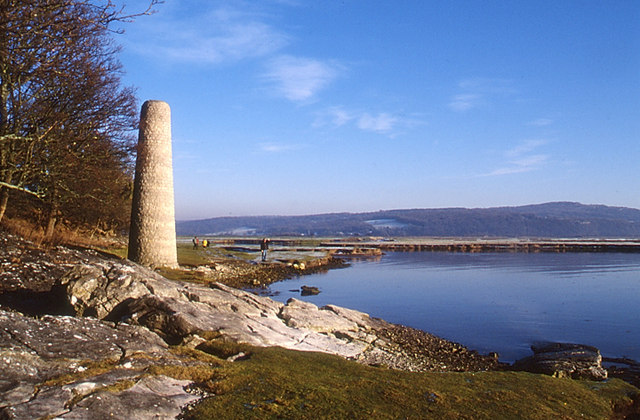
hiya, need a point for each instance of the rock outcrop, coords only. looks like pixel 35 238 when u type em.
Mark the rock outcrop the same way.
pixel 562 360
pixel 98 357
pixel 121 291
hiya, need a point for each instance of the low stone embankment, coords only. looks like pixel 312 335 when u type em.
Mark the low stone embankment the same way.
pixel 491 245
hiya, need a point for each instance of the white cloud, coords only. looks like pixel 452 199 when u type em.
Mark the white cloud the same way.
pixel 300 79
pixel 478 91
pixel 527 164
pixel 525 147
pixel 339 116
pixel 487 85
pixel 464 102
pixel 277 147
pixel 530 162
pixel 216 37
pixel 381 123
pixel 541 122
pixel 335 116
pixel 520 158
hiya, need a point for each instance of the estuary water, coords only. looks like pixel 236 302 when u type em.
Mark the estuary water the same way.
pixel 501 302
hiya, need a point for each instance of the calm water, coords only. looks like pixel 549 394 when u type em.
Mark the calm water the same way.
pixel 494 301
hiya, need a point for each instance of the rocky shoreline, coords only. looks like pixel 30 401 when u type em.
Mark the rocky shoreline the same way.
pixel 245 274
pixel 86 331
pixel 83 330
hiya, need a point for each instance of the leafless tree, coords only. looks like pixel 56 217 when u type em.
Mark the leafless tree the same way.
pixel 65 119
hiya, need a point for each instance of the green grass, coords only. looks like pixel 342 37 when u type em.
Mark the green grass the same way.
pixel 187 255
pixel 278 383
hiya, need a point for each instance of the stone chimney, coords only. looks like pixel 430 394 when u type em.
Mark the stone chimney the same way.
pixel 152 237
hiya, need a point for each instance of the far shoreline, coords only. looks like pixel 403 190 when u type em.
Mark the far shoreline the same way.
pixel 445 244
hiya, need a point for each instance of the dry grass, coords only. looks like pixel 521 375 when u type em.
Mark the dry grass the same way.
pixel 63 235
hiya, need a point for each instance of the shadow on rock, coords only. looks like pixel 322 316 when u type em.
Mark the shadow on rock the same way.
pixel 53 302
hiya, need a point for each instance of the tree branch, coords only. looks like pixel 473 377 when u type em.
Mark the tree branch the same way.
pixel 23 189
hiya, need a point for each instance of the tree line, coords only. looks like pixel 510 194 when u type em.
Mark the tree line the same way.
pixel 67 125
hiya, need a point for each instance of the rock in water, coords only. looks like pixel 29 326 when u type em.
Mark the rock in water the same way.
pixel 309 290
pixel 576 361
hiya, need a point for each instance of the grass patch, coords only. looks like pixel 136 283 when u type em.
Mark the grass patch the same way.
pixel 279 383
pixel 187 255
pixel 201 356
pixel 117 251
pixel 223 349
pixel 91 368
pixel 197 374
pixel 190 256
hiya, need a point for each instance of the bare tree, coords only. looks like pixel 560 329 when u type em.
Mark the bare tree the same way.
pixel 63 112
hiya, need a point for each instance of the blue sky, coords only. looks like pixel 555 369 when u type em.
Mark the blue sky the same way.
pixel 300 107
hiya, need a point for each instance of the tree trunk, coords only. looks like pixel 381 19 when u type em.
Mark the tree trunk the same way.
pixel 4 200
pixel 52 218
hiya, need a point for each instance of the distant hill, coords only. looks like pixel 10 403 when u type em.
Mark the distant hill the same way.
pixel 549 220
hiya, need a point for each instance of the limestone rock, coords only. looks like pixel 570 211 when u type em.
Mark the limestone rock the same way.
pixel 299 314
pixel 57 400
pixel 576 361
pixel 177 310
pixel 259 324
pixel 152 397
pixel 98 288
pixel 35 350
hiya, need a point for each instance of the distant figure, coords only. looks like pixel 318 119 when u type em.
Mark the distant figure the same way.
pixel 264 246
pixel 195 242
pixel 205 243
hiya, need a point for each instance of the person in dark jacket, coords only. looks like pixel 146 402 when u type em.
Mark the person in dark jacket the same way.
pixel 264 246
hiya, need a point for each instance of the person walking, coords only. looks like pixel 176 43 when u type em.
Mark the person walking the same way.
pixel 195 242
pixel 264 246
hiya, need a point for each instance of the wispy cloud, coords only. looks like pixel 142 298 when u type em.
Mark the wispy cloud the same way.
pixel 541 122
pixel 338 116
pixel 300 79
pixel 277 147
pixel 522 159
pixel 381 123
pixel 464 102
pixel 525 147
pixel 488 85
pixel 478 91
pixel 219 36
pixel 527 164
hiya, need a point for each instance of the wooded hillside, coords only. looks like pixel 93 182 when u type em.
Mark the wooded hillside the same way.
pixel 550 220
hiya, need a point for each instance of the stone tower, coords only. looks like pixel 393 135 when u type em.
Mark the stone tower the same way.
pixel 152 237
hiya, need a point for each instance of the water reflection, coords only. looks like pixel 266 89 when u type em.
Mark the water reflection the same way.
pixel 494 301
